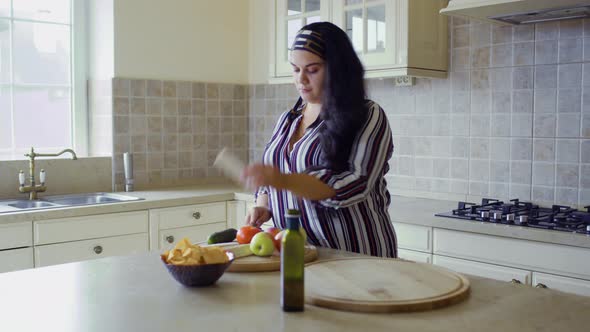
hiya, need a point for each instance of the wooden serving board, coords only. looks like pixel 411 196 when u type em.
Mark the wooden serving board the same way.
pixel 255 263
pixel 272 263
pixel 371 284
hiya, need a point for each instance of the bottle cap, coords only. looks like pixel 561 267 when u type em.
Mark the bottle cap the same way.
pixel 292 218
pixel 293 223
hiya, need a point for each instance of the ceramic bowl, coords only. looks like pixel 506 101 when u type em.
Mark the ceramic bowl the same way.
pixel 198 275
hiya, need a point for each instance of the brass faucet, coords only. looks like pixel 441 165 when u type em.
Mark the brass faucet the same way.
pixel 32 189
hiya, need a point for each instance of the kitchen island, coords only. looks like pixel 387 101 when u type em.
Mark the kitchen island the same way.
pixel 136 293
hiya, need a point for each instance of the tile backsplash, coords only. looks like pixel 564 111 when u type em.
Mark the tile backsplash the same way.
pixel 511 120
pixel 175 129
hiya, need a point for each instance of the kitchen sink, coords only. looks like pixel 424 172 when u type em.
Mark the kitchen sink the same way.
pixel 30 204
pixel 89 199
pixel 60 201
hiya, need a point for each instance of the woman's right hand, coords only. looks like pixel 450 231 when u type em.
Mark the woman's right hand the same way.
pixel 257 216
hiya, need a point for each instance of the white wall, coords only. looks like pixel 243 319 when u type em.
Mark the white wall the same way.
pixel 259 40
pixel 100 39
pixel 198 40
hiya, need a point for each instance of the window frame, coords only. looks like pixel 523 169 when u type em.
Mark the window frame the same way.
pixel 78 80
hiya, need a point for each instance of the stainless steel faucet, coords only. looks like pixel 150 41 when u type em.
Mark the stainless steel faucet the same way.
pixel 32 189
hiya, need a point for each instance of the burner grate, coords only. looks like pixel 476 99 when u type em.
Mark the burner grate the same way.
pixel 558 217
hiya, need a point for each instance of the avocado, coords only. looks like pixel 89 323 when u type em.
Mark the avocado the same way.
pixel 227 235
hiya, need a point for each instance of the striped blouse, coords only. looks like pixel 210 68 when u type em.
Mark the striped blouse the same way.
pixel 356 218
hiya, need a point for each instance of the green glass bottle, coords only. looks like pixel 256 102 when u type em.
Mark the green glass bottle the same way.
pixel 292 251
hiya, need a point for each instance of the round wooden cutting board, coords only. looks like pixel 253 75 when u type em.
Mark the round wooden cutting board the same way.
pixel 272 263
pixel 382 285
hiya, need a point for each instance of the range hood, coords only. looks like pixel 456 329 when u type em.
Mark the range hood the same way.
pixel 518 11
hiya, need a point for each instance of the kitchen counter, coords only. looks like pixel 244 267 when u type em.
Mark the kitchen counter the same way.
pixel 411 210
pixel 136 293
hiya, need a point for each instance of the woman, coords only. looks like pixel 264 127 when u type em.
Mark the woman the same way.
pixel 328 155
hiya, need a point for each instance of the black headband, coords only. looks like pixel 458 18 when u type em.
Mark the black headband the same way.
pixel 310 41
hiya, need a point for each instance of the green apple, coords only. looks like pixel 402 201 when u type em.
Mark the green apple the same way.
pixel 262 244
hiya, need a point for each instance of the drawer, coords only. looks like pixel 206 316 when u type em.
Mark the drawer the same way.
pixel 528 255
pixel 183 216
pixel 415 256
pixel 90 227
pixel 169 237
pixel 16 235
pixel 484 270
pixel 52 254
pixel 16 259
pixel 564 284
pixel 413 237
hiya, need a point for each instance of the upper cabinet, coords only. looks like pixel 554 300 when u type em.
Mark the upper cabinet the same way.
pixel 392 37
pixel 290 17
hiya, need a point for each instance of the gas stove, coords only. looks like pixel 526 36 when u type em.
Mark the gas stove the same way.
pixel 526 214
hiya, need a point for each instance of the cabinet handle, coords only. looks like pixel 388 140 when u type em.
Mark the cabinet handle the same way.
pixel 197 215
pixel 98 250
pixel 169 238
pixel 540 285
pixel 515 281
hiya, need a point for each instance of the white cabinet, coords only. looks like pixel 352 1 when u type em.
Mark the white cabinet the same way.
pixel 76 251
pixel 523 254
pixel 89 227
pixel 196 222
pixel 413 237
pixel 485 270
pixel 15 235
pixel 415 256
pixel 564 284
pixel 74 239
pixel 16 259
pixel 16 240
pixel 392 37
pixel 555 266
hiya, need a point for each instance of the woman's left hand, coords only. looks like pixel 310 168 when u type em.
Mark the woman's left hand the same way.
pixel 257 175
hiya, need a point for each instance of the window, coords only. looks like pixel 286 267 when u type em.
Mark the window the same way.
pixel 42 77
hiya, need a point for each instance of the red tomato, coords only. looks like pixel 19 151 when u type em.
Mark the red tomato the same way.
pixel 273 231
pixel 245 234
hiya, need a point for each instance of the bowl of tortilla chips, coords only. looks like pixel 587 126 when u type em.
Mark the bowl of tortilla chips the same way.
pixel 193 265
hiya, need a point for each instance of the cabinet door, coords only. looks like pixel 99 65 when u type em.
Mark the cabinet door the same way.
pixel 564 284
pixel 524 254
pixel 168 238
pixel 413 237
pixel 236 213
pixel 290 17
pixel 491 271
pixel 60 253
pixel 372 27
pixel 16 259
pixel 415 256
pixel 15 235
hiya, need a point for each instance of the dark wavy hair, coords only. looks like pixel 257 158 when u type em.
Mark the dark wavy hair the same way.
pixel 344 109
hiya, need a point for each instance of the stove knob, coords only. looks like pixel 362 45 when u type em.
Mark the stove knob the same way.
pixel 523 220
pixel 510 217
pixel 485 215
pixel 498 215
